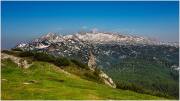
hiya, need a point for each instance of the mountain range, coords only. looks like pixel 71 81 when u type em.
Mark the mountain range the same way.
pixel 107 47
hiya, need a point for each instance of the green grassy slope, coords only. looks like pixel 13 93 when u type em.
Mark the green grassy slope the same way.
pixel 46 81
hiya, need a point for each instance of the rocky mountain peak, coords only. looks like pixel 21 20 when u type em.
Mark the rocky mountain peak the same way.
pixel 49 35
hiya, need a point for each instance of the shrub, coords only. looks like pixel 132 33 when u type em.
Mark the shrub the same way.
pixel 44 57
pixel 130 86
pixel 78 63
pixel 140 89
pixel 16 49
pixel 11 52
pixel 61 61
pixel 40 56
pixel 97 71
pixel 7 52
pixel 26 54
pixel 91 76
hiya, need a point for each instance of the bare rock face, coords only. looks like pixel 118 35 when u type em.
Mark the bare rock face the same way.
pixel 107 80
pixel 92 65
pixel 91 61
pixel 19 61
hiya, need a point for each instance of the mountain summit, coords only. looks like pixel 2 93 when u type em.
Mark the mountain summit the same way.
pixel 98 37
pixel 94 38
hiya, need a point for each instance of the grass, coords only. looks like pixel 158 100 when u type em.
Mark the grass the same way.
pixel 53 83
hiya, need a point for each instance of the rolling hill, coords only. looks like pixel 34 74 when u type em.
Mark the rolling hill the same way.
pixel 43 80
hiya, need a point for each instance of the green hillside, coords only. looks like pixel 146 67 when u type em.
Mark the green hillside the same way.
pixel 150 77
pixel 43 80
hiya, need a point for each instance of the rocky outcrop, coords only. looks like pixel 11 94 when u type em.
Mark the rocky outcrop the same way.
pixel 91 61
pixel 105 78
pixel 19 61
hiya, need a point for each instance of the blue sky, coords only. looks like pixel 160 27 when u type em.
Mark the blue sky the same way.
pixel 27 20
